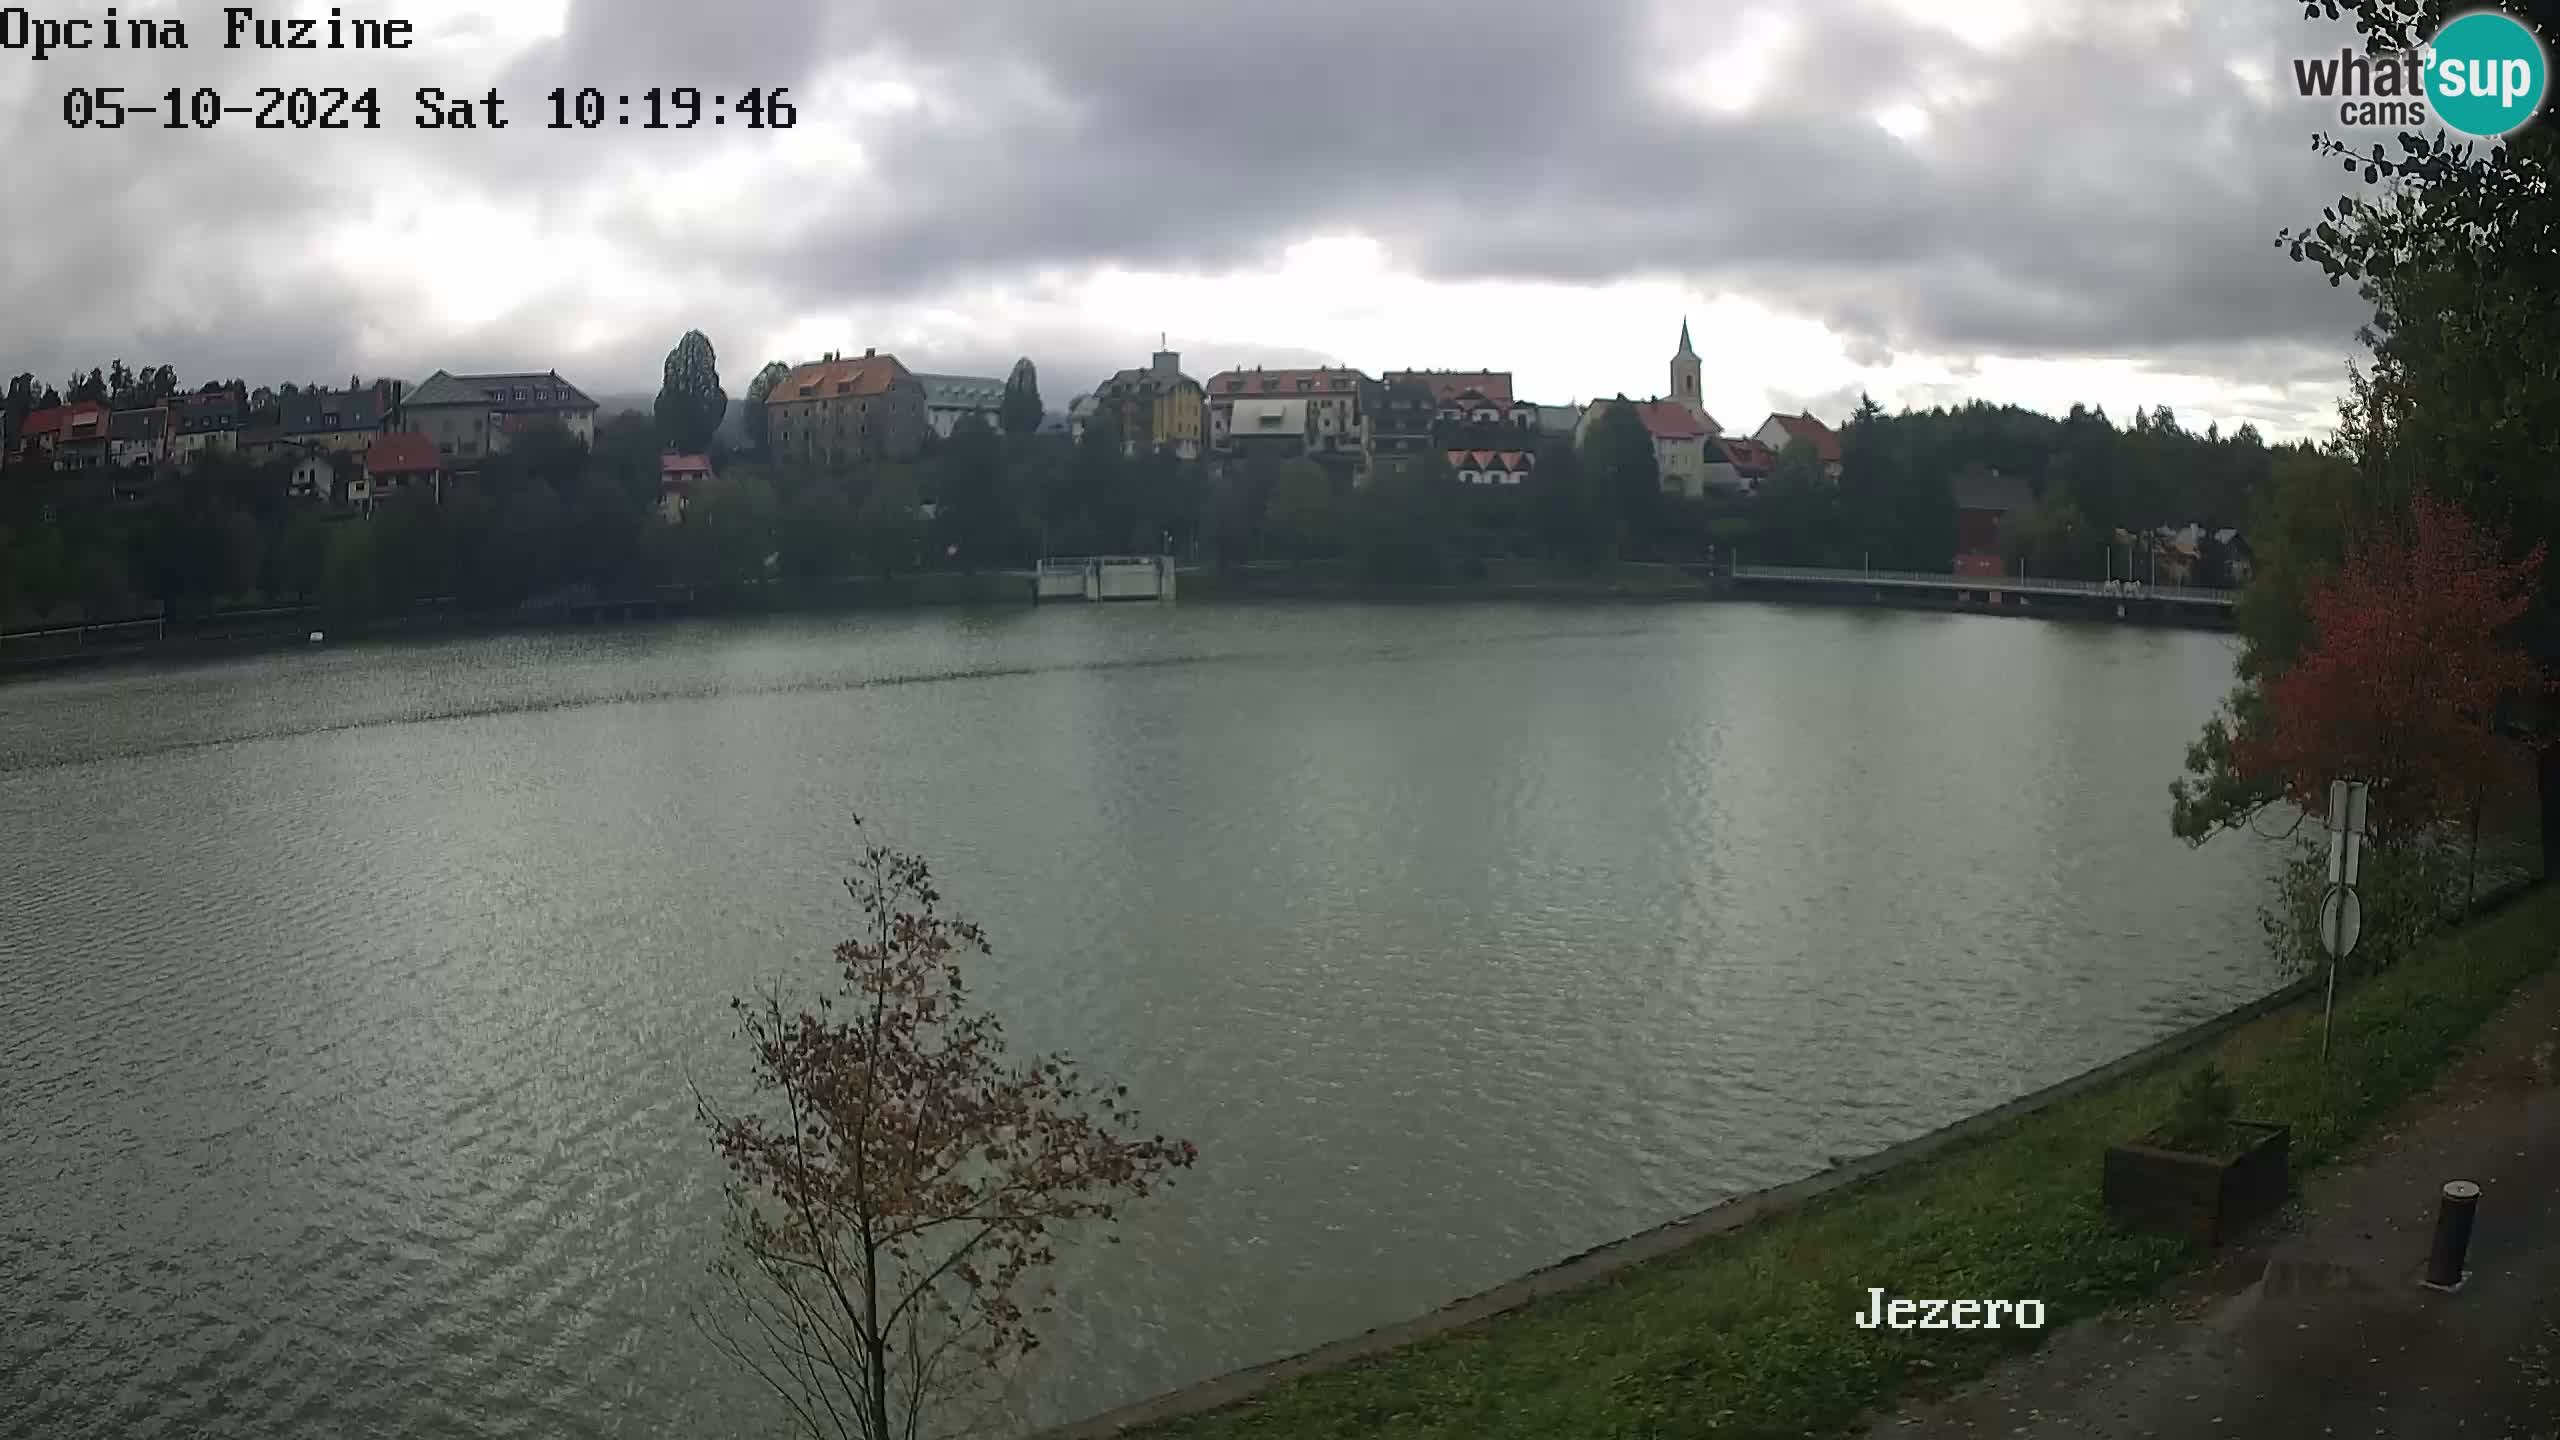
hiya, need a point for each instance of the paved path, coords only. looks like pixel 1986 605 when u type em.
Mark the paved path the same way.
pixel 2320 1327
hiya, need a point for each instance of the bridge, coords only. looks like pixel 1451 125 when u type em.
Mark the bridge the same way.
pixel 2127 597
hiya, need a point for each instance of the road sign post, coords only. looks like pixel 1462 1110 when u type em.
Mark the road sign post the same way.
pixel 2341 911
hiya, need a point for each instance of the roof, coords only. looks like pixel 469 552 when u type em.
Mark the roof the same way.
pixel 401 452
pixel 1826 442
pixel 687 466
pixel 1269 416
pixel 1744 454
pixel 1496 384
pixel 1981 489
pixel 1323 379
pixel 197 414
pixel 962 392
pixel 1669 420
pixel 546 391
pixel 43 422
pixel 858 376
pixel 309 412
pixel 140 424
pixel 1559 419
pixel 1487 459
pixel 1685 353
pixel 84 420
pixel 1142 380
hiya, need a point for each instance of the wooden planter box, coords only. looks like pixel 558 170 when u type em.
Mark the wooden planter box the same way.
pixel 2197 1197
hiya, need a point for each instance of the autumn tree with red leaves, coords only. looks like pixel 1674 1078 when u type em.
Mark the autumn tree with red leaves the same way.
pixel 897 1191
pixel 2412 652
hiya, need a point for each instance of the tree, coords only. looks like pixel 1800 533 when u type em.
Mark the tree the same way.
pixel 350 586
pixel 900 1184
pixel 974 510
pixel 1622 465
pixel 1570 514
pixel 306 555
pixel 244 555
pixel 818 533
pixel 759 393
pixel 1402 523
pixel 2412 654
pixel 1021 412
pixel 1799 511
pixel 890 528
pixel 2451 243
pixel 690 400
pixel 1300 520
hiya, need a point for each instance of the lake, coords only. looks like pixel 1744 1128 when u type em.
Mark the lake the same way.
pixel 351 999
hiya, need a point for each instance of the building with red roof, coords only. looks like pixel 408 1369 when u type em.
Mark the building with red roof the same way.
pixel 400 462
pixel 680 479
pixel 1779 431
pixel 1491 467
pixel 1335 421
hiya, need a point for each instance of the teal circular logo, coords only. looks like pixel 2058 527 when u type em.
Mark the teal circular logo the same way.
pixel 2486 74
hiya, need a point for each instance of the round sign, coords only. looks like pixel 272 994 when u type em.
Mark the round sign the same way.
pixel 2461 1190
pixel 2341 922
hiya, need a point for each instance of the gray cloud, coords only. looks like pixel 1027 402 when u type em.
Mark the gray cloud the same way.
pixel 2109 195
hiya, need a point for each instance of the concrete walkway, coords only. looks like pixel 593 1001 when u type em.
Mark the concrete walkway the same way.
pixel 2319 1326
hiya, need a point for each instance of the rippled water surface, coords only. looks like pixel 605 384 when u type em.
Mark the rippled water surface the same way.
pixel 350 999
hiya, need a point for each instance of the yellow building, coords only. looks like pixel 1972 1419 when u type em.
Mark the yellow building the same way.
pixel 1158 408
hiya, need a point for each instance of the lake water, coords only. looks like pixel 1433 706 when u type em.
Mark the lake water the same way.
pixel 349 999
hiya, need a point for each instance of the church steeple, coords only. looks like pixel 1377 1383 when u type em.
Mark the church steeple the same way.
pixel 1684 375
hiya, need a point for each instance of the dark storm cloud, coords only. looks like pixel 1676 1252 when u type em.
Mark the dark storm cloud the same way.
pixel 2097 193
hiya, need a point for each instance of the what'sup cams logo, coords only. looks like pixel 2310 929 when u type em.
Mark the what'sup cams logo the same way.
pixel 2484 74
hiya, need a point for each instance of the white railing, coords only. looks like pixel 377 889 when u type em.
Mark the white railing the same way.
pixel 2006 584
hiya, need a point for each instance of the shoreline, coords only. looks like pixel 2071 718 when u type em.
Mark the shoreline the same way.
pixel 1587 1277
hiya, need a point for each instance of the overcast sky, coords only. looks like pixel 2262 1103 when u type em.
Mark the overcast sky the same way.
pixel 2037 201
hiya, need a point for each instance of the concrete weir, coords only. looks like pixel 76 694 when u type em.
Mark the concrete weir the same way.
pixel 1105 577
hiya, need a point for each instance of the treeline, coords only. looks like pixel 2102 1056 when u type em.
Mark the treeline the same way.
pixel 1894 505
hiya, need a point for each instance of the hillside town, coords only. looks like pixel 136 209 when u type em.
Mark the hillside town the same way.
pixel 132 495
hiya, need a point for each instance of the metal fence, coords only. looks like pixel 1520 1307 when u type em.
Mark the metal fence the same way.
pixel 2006 584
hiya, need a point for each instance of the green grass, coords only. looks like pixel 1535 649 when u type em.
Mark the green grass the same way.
pixel 1750 1333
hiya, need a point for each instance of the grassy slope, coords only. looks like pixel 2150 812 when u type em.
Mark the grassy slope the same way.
pixel 1749 1334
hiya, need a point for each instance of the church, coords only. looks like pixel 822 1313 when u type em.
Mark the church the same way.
pixel 1684 434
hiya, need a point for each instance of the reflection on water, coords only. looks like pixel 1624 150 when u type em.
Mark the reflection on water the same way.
pixel 349 999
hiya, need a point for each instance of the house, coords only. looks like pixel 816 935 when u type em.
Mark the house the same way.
pixel 202 423
pixel 1779 431
pixel 1990 507
pixel 680 478
pixel 1400 417
pixel 315 478
pixel 139 437
pixel 1737 465
pixel 841 411
pixel 84 438
pixel 261 443
pixel 399 462
pixel 2239 562
pixel 344 421
pixel 470 417
pixel 1335 423
pixel 1491 467
pixel 1679 440
pixel 947 398
pixel 1157 408
pixel 1272 426
pixel 37 434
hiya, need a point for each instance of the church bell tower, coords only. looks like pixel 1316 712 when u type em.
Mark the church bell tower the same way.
pixel 1684 376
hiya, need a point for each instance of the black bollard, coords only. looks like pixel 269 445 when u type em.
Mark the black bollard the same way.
pixel 2453 1233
